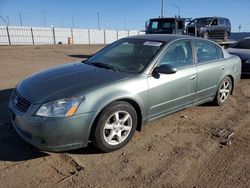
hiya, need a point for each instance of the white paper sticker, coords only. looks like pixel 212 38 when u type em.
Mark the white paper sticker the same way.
pixel 152 43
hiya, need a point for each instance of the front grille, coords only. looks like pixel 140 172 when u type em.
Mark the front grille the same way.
pixel 21 103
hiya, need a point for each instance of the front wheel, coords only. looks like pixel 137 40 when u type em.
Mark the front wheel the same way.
pixel 115 126
pixel 223 91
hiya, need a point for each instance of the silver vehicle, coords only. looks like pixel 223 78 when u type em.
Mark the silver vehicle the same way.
pixel 110 95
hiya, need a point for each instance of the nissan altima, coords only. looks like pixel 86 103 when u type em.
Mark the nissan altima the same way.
pixel 109 96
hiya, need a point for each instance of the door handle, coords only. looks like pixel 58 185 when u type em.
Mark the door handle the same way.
pixel 222 68
pixel 192 77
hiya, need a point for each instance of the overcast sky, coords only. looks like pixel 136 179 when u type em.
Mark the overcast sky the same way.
pixel 117 14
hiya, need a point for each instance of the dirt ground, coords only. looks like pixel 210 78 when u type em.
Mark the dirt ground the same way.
pixel 190 148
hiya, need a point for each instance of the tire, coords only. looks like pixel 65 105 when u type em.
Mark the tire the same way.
pixel 115 126
pixel 226 36
pixel 205 35
pixel 223 91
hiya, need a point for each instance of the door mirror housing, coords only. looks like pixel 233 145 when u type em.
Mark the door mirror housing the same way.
pixel 165 69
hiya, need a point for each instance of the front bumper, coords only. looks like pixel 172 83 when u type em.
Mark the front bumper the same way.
pixel 52 134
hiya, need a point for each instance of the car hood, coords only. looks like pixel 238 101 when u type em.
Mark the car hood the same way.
pixel 244 54
pixel 66 81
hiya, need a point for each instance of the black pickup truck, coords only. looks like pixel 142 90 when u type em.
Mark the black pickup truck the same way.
pixel 168 25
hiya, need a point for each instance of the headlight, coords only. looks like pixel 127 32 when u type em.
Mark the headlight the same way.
pixel 60 108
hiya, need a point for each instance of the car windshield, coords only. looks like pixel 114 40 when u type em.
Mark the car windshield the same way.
pixel 244 44
pixel 126 55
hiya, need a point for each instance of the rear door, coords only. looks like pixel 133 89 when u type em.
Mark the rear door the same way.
pixel 210 68
pixel 214 29
pixel 222 26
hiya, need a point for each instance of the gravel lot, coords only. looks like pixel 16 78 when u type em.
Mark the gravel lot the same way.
pixel 186 149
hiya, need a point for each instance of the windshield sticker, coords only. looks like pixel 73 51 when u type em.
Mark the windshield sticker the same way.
pixel 150 43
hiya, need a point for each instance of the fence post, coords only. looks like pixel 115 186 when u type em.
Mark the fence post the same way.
pixel 32 36
pixel 89 35
pixel 104 36
pixel 117 36
pixel 54 36
pixel 72 36
pixel 8 34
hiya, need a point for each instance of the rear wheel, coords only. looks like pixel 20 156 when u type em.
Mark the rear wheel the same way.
pixel 223 91
pixel 115 126
pixel 226 36
pixel 205 35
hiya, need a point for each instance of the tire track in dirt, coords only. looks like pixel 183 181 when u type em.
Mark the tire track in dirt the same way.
pixel 214 173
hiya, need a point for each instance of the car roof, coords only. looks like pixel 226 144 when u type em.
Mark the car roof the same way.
pixel 169 18
pixel 161 37
pixel 210 17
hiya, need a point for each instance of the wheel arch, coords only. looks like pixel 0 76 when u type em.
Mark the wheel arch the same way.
pixel 132 102
pixel 232 79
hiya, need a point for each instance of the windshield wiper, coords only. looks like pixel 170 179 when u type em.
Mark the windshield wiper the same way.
pixel 102 65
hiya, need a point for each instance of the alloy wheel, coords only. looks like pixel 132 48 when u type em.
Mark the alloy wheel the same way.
pixel 117 127
pixel 224 91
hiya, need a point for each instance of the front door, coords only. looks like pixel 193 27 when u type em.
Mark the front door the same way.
pixel 171 92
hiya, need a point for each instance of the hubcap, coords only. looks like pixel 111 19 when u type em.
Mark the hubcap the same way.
pixel 117 127
pixel 224 91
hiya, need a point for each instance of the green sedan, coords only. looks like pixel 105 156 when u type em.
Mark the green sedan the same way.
pixel 109 96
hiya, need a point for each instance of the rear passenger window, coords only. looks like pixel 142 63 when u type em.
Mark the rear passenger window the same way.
pixel 219 52
pixel 207 51
pixel 222 21
pixel 227 22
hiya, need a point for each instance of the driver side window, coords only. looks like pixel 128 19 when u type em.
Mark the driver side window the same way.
pixel 178 54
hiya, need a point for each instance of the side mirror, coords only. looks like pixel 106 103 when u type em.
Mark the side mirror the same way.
pixel 165 69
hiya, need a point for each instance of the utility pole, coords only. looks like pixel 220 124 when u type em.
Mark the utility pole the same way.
pixel 125 23
pixel 8 20
pixel 72 20
pixel 179 10
pixel 61 21
pixel 162 8
pixel 3 19
pixel 98 20
pixel 44 19
pixel 20 18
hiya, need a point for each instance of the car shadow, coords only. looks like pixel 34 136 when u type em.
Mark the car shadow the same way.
pixel 245 76
pixel 81 56
pixel 12 147
pixel 91 149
